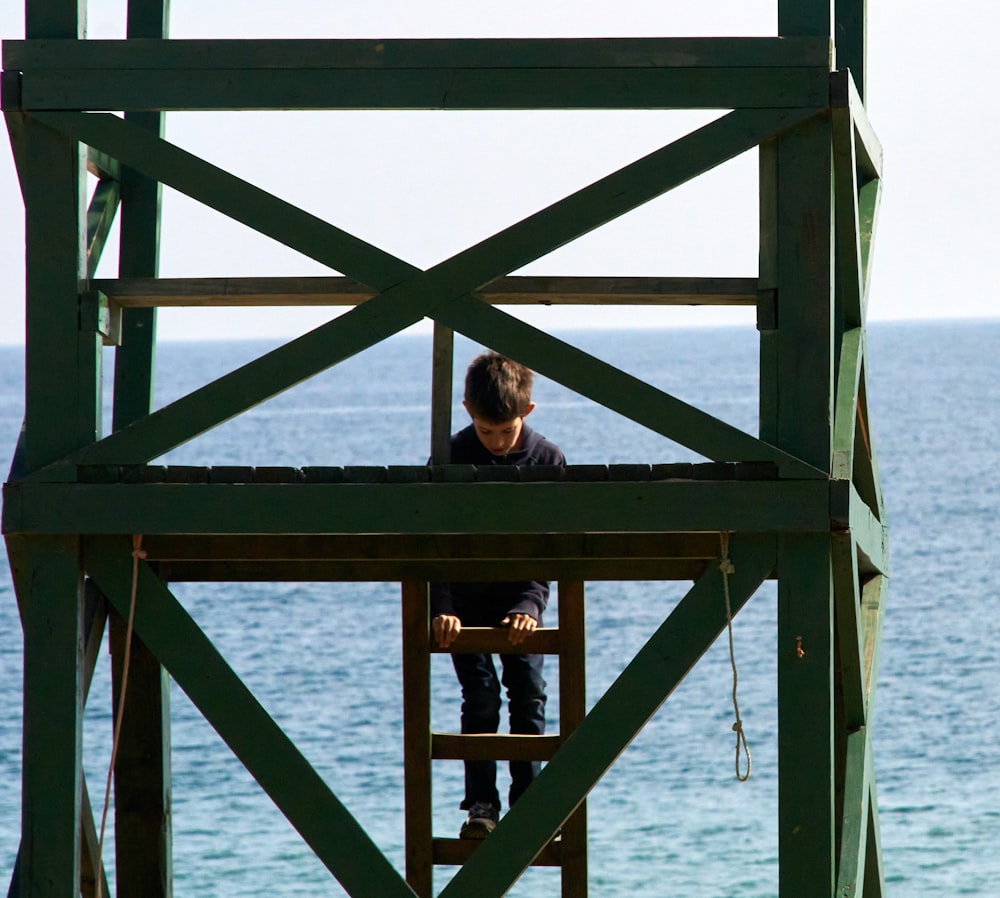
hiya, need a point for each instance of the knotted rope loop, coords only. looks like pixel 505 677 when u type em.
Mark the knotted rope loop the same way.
pixel 727 567
pixel 138 553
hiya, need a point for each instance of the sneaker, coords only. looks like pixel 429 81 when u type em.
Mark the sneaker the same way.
pixel 482 821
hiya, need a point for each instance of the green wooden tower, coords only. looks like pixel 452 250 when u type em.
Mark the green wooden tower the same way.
pixel 799 503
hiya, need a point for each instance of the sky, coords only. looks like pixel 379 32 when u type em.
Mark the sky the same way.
pixel 424 185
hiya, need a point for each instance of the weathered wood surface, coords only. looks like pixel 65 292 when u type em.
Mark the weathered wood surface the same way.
pixel 515 290
pixel 627 507
pixel 659 73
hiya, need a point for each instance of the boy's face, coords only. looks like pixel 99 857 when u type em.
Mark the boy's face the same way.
pixel 503 436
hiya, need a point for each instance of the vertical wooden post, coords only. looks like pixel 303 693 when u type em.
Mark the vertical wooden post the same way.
pixel 49 589
pixel 143 837
pixel 767 290
pixel 805 331
pixel 852 40
pixel 802 421
pixel 801 18
pixel 417 737
pixel 441 377
pixel 805 717
pixel 572 710
pixel 142 770
pixel 61 400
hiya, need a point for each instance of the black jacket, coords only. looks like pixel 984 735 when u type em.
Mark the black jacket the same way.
pixel 471 601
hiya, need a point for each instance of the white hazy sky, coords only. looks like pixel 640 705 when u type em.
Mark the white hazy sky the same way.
pixel 424 185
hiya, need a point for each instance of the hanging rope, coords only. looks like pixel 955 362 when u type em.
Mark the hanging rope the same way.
pixel 727 568
pixel 137 553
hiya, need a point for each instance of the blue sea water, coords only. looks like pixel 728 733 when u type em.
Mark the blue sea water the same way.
pixel 670 817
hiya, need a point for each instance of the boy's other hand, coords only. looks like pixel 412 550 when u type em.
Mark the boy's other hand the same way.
pixel 520 625
pixel 446 629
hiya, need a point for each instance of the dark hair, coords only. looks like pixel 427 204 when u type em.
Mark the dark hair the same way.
pixel 497 389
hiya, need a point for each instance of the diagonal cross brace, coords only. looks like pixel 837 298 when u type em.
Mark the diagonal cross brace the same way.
pixel 270 756
pixel 240 200
pixel 613 723
pixel 437 292
pixel 614 389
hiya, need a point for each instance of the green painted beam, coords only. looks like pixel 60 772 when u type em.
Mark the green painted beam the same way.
pixel 614 389
pixel 873 602
pixel 655 73
pixel 95 616
pixel 60 21
pixel 160 160
pixel 667 506
pixel 447 283
pixel 61 400
pixel 176 640
pixel 846 403
pixel 442 377
pixel 805 327
pixel 865 475
pixel 805 717
pixel 49 590
pixel 143 803
pixel 417 54
pixel 799 18
pixel 849 511
pixel 101 165
pixel 850 638
pixel 874 868
pixel 844 91
pixel 446 88
pixel 870 533
pixel 100 215
pixel 545 290
pixel 767 290
pixel 142 807
pixel 851 865
pixel 613 722
pixel 868 206
pixel 849 277
pixel 851 35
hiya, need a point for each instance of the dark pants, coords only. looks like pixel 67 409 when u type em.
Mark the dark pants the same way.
pixel 522 678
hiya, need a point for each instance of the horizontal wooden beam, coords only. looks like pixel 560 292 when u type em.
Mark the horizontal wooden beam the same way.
pixel 495 640
pixel 660 73
pixel 350 557
pixel 455 852
pixel 424 89
pixel 493 747
pixel 470 547
pixel 409 54
pixel 627 507
pixel 392 570
pixel 342 291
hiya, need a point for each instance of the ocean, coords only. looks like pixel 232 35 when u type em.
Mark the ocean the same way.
pixel 670 816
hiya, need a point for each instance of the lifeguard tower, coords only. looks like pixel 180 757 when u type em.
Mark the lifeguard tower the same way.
pixel 799 501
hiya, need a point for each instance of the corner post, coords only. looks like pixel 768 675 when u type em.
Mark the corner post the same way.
pixel 143 831
pixel 49 588
pixel 806 793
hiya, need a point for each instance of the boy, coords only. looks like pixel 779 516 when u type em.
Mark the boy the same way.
pixel 498 399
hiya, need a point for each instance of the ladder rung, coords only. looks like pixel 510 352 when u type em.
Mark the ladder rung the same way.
pixel 493 747
pixel 457 851
pixel 493 640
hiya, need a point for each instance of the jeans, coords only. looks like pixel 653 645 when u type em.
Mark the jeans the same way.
pixel 525 686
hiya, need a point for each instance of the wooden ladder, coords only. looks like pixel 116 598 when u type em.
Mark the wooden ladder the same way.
pixel 421 745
